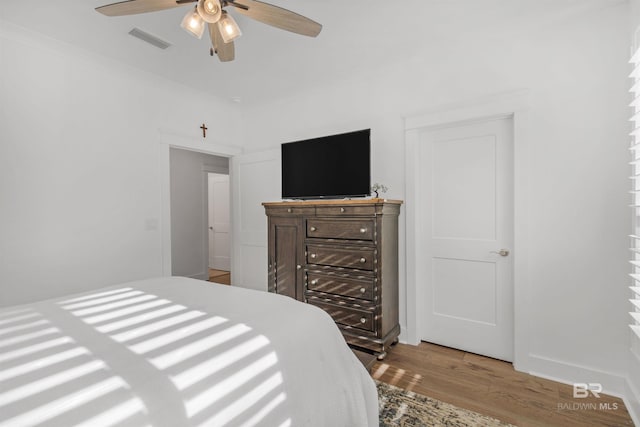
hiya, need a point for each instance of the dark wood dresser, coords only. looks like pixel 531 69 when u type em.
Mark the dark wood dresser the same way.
pixel 341 256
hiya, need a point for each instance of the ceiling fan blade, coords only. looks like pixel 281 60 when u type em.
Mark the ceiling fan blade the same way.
pixel 133 7
pixel 277 17
pixel 226 51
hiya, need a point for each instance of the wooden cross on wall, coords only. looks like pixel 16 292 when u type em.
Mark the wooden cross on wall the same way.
pixel 204 130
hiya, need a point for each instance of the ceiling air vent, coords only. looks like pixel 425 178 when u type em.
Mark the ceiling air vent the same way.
pixel 153 40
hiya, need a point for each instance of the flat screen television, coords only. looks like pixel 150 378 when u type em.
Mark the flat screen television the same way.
pixel 332 167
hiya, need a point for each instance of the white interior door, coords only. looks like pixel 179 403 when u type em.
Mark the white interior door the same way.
pixel 219 222
pixel 467 183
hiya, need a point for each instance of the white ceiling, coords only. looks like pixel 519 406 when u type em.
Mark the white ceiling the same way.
pixel 357 35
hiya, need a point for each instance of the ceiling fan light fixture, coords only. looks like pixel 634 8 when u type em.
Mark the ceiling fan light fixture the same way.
pixel 222 28
pixel 228 28
pixel 209 10
pixel 193 23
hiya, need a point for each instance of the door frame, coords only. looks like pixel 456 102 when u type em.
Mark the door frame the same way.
pixel 515 106
pixel 168 139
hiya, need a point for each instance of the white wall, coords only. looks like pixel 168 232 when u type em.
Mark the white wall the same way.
pixel 575 70
pixel 79 165
pixel 189 236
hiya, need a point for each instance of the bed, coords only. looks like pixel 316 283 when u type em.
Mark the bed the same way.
pixel 178 352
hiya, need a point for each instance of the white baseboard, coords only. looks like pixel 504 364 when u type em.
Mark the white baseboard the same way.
pixel 632 390
pixel 566 373
pixel 200 276
pixel 221 263
pixel 632 402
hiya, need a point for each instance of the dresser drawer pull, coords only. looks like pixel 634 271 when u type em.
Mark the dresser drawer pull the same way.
pixel 363 260
pixel 313 229
pixel 298 267
pixel 314 282
pixel 363 230
pixel 314 255
pixel 363 290
pixel 289 210
pixel 342 210
pixel 363 320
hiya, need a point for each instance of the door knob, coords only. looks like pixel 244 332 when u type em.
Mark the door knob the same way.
pixel 501 252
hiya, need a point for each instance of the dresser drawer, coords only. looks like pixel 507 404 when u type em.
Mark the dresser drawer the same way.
pixel 289 210
pixel 345 210
pixel 347 316
pixel 356 229
pixel 344 286
pixel 360 258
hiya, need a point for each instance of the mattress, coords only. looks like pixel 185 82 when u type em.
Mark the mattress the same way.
pixel 178 352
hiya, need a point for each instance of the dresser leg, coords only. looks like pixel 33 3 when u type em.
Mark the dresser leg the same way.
pixel 395 341
pixel 382 355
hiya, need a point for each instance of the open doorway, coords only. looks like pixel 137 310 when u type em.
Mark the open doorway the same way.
pixel 189 197
pixel 219 226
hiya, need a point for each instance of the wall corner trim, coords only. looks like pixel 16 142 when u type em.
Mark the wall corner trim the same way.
pixel 632 387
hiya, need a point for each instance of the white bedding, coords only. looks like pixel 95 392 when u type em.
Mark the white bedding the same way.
pixel 178 352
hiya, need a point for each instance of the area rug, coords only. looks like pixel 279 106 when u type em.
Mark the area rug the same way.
pixel 407 409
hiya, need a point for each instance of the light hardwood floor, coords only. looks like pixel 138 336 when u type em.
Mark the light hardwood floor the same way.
pixel 219 276
pixel 494 388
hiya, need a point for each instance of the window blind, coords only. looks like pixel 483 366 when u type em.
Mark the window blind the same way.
pixel 635 193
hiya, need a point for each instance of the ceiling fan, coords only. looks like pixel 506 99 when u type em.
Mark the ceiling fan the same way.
pixel 223 29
